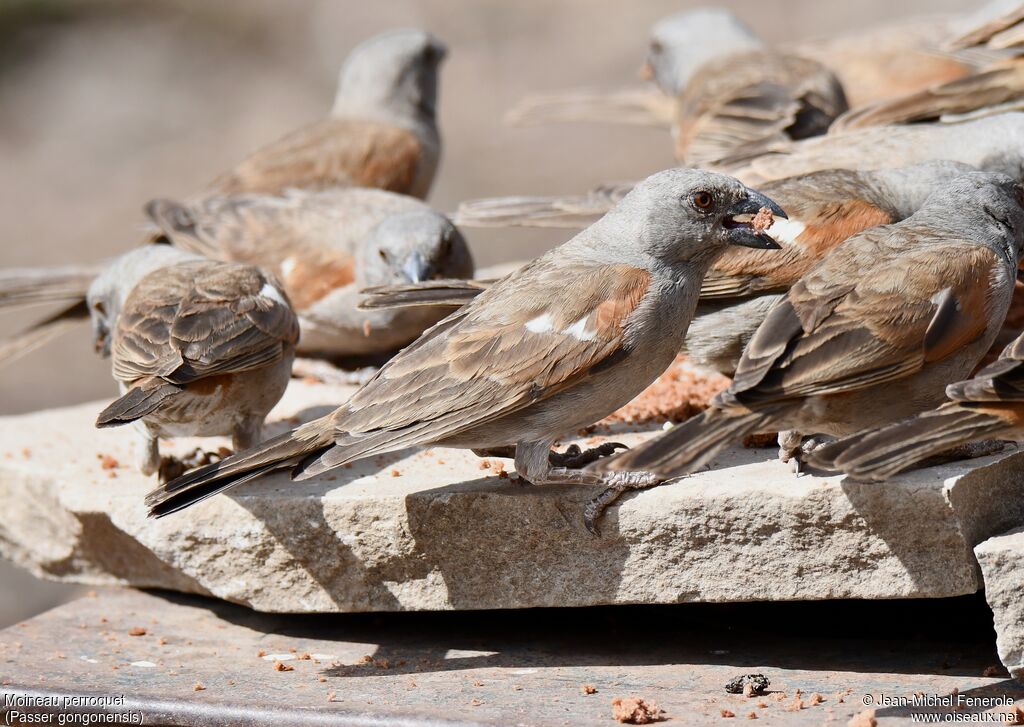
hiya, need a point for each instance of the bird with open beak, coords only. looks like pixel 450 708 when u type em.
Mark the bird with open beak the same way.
pixel 556 346
pixel 873 333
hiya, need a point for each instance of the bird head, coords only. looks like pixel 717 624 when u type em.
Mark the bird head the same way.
pixel 681 43
pixel 412 247
pixel 394 73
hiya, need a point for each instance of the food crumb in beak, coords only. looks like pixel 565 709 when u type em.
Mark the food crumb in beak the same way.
pixel 762 220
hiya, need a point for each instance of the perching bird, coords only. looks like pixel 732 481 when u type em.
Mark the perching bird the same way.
pixel 731 93
pixel 382 131
pixel 872 334
pixel 988 406
pixel 824 209
pixel 991 143
pixel 199 347
pixel 324 247
pixel 557 345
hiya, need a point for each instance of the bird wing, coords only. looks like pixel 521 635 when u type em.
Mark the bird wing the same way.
pixel 1002 380
pixel 488 359
pixel 752 101
pixel 199 319
pixel 840 329
pixel 329 153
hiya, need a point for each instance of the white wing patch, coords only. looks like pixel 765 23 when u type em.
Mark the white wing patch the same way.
pixel 287 265
pixel 579 330
pixel 269 291
pixel 540 324
pixel 786 231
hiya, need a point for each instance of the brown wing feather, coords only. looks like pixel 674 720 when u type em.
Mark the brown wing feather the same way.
pixel 329 153
pixel 200 319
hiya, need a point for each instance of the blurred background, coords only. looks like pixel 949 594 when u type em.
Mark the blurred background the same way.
pixel 105 104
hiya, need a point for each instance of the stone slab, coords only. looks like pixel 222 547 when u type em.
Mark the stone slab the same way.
pixel 431 530
pixel 1002 564
pixel 206 663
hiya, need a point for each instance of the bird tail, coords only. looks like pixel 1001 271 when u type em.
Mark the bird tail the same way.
pixel 175 223
pixel 143 398
pixel 878 454
pixel 31 286
pixel 635 106
pixel 42 332
pixel 567 212
pixel 688 446
pixel 192 487
pixel 450 293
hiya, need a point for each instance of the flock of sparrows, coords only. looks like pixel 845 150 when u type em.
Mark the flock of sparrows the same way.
pixel 850 296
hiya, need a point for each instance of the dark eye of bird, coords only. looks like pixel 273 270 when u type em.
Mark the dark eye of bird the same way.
pixel 702 200
pixel 383 255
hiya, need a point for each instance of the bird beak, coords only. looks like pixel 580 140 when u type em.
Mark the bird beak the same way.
pixel 415 269
pixel 646 72
pixel 739 222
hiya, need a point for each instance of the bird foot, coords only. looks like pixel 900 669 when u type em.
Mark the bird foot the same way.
pixel 172 467
pixel 616 484
pixel 575 458
pixel 970 450
pixel 795 452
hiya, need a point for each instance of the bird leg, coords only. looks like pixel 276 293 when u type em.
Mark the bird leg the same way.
pixel 247 433
pixel 147 449
pixel 533 465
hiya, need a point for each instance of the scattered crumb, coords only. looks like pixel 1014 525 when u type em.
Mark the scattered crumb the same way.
pixel 498 468
pixel 816 699
pixel 992 671
pixel 261 653
pixel 762 220
pixel 161 641
pixel 321 679
pixel 751 715
pixel 440 461
pixel 779 696
pixel 305 656
pixel 761 704
pixel 137 631
pixel 381 663
pixel 796 705
pixel 330 696
pixel 109 463
pixel 748 684
pixel 727 713
pixel 517 688
pixel 26 453
pixel 633 710
pixel 281 666
pixel 588 689
pixel 478 683
pixel 475 702
pixel 396 473
pixel 1016 715
pixel 676 395
pixel 484 464
pixel 364 659
pixel 864 719
pixel 197 687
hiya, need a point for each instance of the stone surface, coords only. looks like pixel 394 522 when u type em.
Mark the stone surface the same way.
pixel 428 530
pixel 1002 564
pixel 516 668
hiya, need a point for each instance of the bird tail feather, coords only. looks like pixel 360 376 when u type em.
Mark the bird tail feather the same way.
pixel 142 399
pixel 634 106
pixel 42 332
pixel 443 293
pixel 31 286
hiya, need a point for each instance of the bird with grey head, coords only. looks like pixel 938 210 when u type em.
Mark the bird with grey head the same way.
pixel 553 347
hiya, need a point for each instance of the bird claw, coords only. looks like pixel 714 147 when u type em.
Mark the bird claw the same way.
pixel 617 483
pixel 575 458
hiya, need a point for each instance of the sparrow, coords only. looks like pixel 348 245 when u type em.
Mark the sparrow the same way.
pixel 873 333
pixel 988 406
pixel 555 346
pixel 382 131
pixel 729 91
pixel 824 209
pixel 324 247
pixel 990 143
pixel 198 347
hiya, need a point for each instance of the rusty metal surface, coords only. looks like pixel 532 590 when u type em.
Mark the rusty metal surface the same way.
pixel 202 662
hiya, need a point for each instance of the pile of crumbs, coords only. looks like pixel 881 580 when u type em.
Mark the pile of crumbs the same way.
pixel 633 710
pixel 676 395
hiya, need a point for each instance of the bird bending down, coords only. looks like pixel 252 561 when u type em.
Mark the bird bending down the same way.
pixel 988 406
pixel 558 345
pixel 871 334
pixel 199 347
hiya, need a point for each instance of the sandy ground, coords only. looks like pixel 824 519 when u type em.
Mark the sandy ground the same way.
pixel 107 106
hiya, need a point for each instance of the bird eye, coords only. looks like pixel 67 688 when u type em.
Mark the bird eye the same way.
pixel 101 310
pixel 383 255
pixel 702 200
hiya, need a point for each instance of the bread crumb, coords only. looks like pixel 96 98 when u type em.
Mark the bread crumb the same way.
pixel 751 715
pixel 136 631
pixel 762 220
pixel 280 666
pixel 796 705
pixel 161 641
pixel 109 463
pixel 484 464
pixel 588 689
pixel 633 710
pixel 330 696
pixel 26 453
pixel 864 719
pixel 198 687
pixel 321 679
pixel 679 393
pixel 474 702
pixel 396 473
pixel 261 653
pixel 816 699
pixel 727 713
